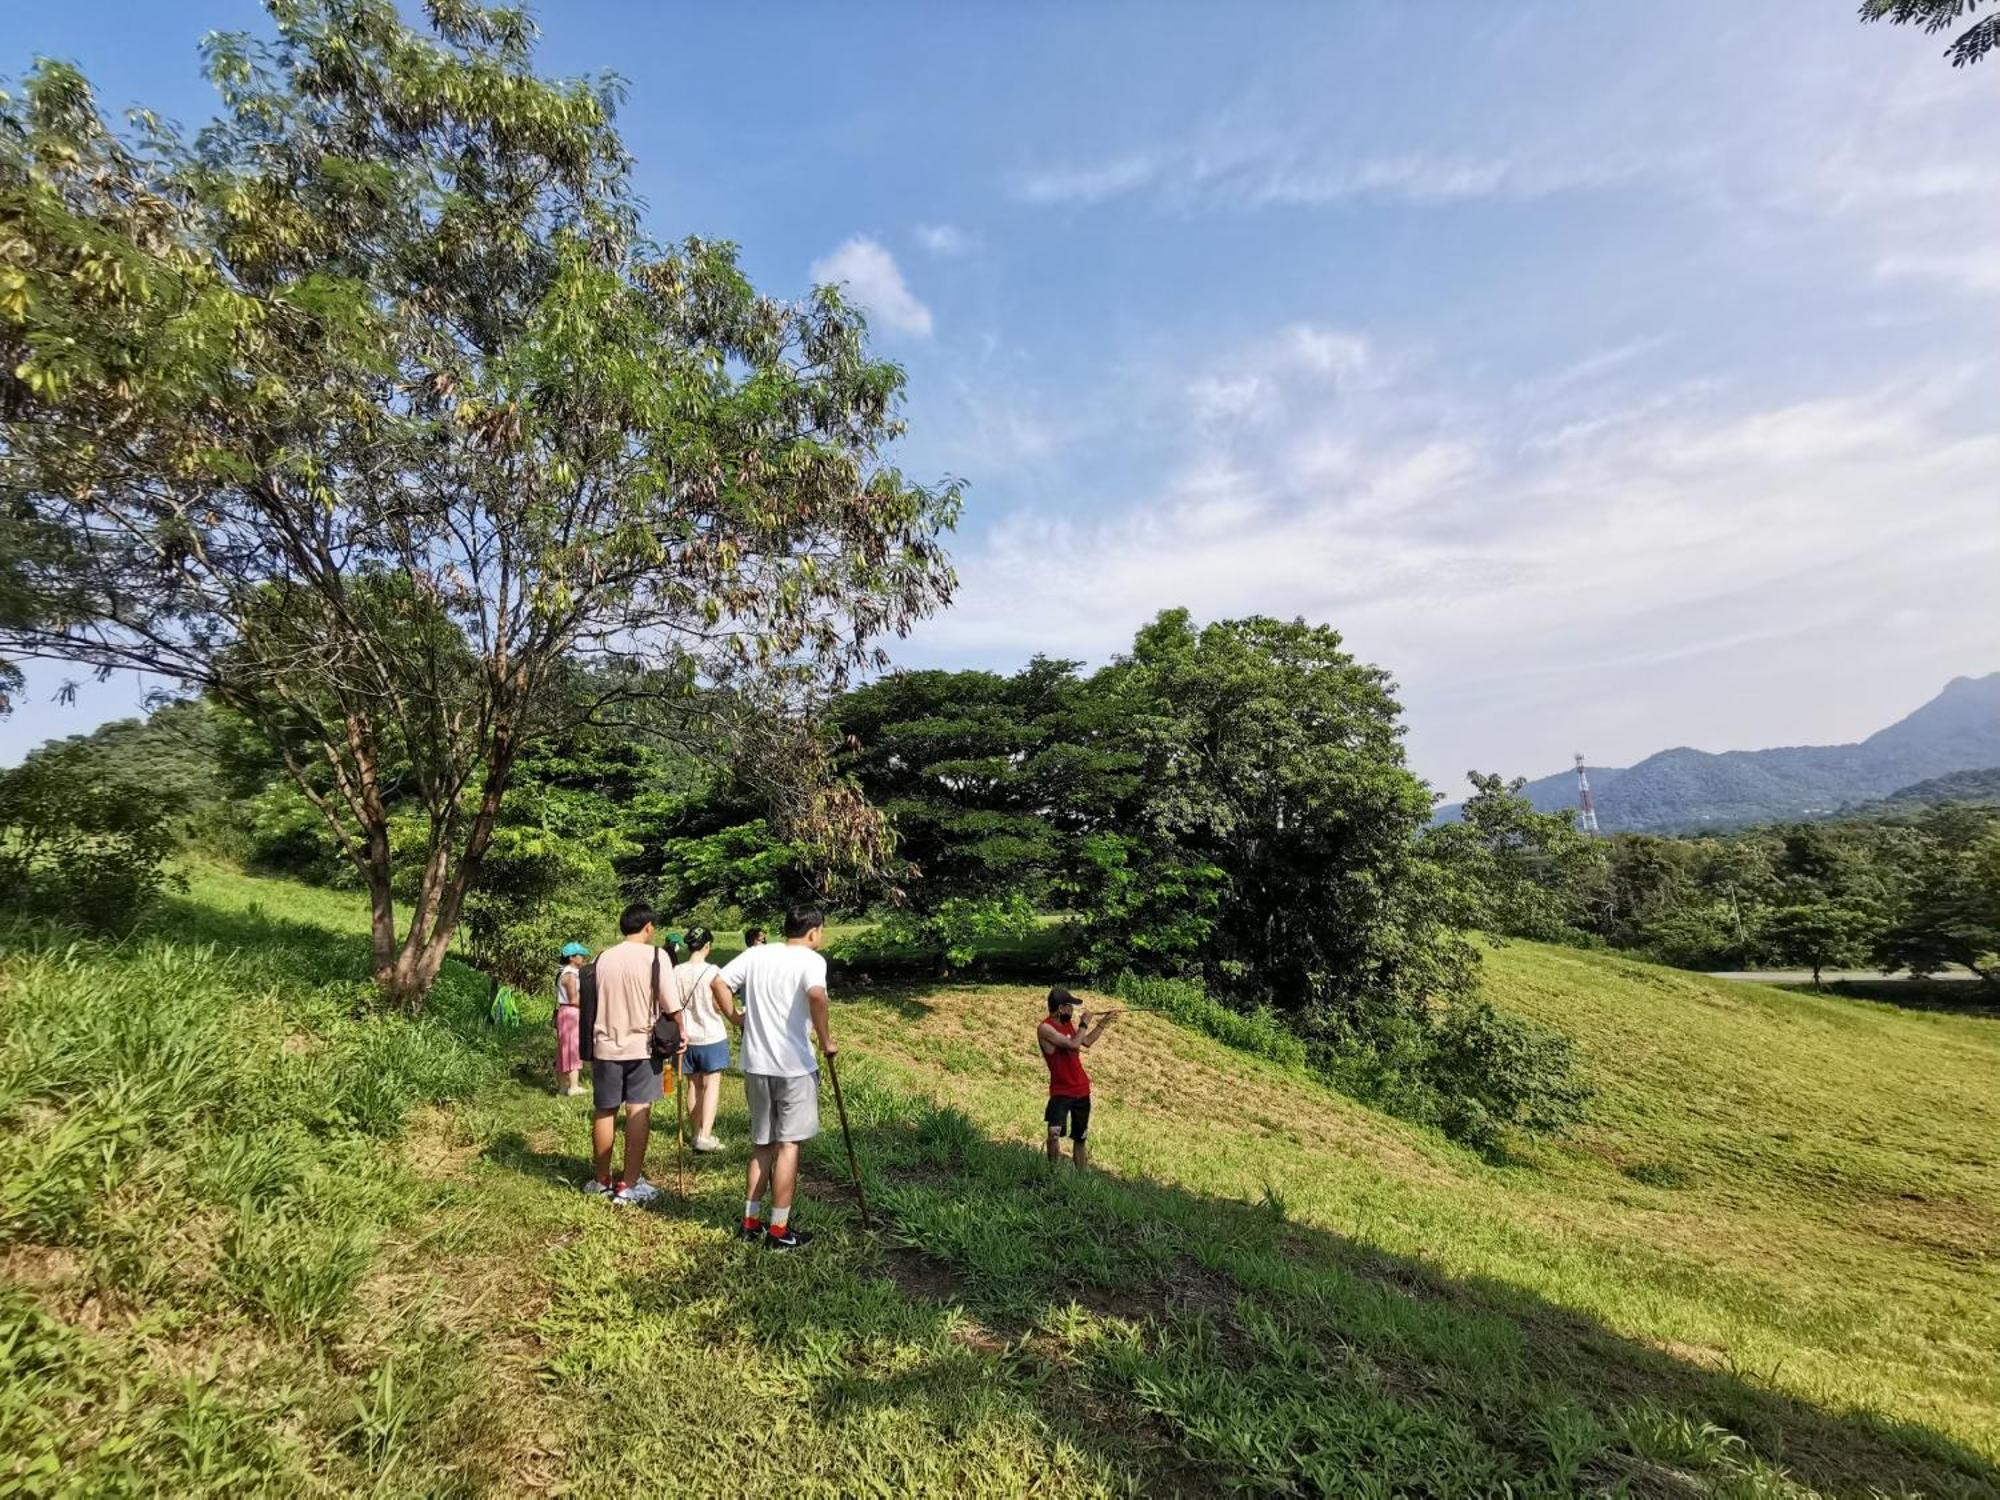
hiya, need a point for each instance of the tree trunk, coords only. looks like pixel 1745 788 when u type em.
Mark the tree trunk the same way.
pixel 441 895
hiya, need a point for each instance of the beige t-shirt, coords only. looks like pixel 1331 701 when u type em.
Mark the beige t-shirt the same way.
pixel 625 1002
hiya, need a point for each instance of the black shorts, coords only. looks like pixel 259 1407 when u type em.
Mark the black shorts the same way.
pixel 1070 1117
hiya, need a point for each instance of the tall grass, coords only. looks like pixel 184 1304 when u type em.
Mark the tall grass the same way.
pixel 189 1132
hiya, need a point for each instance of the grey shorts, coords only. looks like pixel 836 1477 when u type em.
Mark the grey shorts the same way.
pixel 614 1082
pixel 781 1109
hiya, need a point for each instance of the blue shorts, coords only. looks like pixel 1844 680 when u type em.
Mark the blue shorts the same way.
pixel 710 1057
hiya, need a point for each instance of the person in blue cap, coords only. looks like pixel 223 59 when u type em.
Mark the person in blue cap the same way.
pixel 569 1018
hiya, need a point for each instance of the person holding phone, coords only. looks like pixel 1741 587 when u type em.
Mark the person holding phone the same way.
pixel 1063 1037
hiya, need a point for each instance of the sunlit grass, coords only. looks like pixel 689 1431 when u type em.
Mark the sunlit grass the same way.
pixel 258 1237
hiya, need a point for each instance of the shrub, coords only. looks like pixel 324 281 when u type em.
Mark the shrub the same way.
pixel 1490 1071
pixel 1471 1070
pixel 79 847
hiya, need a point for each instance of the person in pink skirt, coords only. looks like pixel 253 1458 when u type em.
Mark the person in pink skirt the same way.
pixel 569 1017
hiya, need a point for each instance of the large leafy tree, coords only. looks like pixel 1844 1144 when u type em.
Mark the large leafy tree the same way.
pixel 1273 780
pixel 1820 935
pixel 1951 913
pixel 369 410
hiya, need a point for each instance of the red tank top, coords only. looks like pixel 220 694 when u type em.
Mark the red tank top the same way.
pixel 1067 1080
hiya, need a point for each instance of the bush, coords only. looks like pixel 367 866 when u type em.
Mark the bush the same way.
pixel 1490 1071
pixel 1471 1071
pixel 80 848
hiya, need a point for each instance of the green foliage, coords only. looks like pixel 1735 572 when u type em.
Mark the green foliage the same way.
pixel 413 419
pixel 80 846
pixel 1952 912
pixel 1524 873
pixel 1139 902
pixel 1488 1072
pixel 1820 935
pixel 1971 44
pixel 956 929
pixel 1259 1032
pixel 1270 754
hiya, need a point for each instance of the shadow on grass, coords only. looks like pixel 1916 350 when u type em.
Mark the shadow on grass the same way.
pixel 1185 1341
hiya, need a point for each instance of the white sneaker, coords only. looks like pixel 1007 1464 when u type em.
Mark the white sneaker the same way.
pixel 707 1143
pixel 572 1093
pixel 596 1189
pixel 641 1193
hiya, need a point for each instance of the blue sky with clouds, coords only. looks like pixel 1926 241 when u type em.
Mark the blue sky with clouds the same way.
pixel 1617 376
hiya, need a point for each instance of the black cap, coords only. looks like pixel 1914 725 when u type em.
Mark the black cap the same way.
pixel 1058 998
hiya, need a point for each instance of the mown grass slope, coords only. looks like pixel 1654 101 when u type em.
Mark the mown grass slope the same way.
pixel 306 1249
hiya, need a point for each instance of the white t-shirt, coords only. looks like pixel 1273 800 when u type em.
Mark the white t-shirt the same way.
pixel 772 980
pixel 701 1022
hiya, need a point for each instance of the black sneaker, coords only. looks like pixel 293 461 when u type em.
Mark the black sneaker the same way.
pixel 791 1239
pixel 745 1232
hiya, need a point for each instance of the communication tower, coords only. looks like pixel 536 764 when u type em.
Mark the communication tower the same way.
pixel 1586 806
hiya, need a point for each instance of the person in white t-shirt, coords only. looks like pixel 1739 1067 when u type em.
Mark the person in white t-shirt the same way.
pixel 705 1000
pixel 782 986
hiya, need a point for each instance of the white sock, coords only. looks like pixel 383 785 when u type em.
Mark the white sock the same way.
pixel 779 1216
pixel 752 1209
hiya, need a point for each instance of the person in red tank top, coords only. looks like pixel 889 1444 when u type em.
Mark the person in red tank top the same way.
pixel 1063 1036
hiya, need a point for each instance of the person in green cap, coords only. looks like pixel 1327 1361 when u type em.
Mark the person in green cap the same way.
pixel 569 1018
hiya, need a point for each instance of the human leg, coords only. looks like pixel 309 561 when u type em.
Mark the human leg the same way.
pixel 638 1126
pixel 707 1097
pixel 603 1130
pixel 784 1180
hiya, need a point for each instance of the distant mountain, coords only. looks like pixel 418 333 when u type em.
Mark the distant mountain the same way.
pixel 1682 790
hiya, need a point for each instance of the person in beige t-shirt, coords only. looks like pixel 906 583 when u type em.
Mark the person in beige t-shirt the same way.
pixel 632 989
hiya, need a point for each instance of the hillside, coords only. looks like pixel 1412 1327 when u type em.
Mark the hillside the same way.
pixel 1684 790
pixel 1960 786
pixel 256 1244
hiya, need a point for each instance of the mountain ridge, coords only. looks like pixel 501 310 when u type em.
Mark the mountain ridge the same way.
pixel 1682 789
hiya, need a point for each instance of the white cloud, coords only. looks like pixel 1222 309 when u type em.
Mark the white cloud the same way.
pixel 943 239
pixel 1223 167
pixel 1085 184
pixel 1624 584
pixel 873 279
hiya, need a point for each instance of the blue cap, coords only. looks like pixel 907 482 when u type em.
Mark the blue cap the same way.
pixel 575 950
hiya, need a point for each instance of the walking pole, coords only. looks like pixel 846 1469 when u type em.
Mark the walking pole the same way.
pixel 853 1167
pixel 680 1131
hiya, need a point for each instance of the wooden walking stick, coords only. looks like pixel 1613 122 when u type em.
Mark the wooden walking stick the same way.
pixel 680 1130
pixel 853 1167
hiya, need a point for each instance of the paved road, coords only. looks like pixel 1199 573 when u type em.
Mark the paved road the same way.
pixel 1828 976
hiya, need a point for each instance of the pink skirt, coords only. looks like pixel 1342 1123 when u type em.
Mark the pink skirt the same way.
pixel 569 1045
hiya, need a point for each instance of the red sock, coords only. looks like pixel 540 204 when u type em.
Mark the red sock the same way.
pixel 752 1225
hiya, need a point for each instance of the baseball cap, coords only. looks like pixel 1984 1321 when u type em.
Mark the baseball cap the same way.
pixel 1059 997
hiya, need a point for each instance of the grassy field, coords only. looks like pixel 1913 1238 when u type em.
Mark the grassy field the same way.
pixel 255 1239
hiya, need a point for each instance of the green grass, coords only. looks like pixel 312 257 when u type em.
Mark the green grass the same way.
pixel 257 1238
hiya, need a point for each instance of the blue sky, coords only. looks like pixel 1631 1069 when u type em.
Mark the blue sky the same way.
pixel 1618 377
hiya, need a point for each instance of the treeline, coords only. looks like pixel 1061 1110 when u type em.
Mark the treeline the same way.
pixel 1225 807
pixel 1911 890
